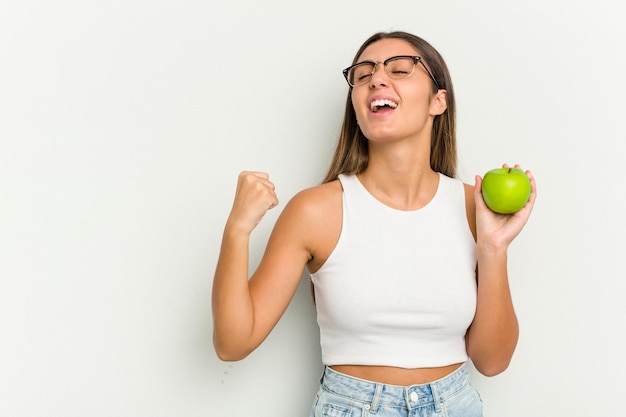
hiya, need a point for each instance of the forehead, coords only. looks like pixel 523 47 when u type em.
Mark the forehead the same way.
pixel 385 48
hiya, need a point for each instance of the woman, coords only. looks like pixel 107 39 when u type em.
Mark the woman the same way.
pixel 408 264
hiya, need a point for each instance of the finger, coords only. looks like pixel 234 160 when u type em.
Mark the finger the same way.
pixel 259 174
pixel 478 183
pixel 478 195
pixel 262 175
pixel 268 190
pixel 264 178
pixel 253 175
pixel 533 185
pixel 273 202
pixel 251 178
pixel 267 183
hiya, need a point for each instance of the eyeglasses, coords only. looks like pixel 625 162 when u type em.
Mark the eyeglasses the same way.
pixel 396 67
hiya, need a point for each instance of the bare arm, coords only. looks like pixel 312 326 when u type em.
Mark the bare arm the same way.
pixel 493 335
pixel 245 310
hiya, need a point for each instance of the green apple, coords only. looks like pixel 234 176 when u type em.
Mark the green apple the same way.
pixel 506 190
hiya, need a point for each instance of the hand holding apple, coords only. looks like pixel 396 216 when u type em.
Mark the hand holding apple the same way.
pixel 506 190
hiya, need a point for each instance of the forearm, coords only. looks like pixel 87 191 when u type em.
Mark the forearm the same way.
pixel 493 335
pixel 233 317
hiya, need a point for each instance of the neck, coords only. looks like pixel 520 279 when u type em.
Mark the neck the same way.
pixel 400 175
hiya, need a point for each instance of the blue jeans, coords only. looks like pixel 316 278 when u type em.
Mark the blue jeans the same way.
pixel 345 396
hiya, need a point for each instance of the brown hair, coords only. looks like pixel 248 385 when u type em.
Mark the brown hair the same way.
pixel 352 153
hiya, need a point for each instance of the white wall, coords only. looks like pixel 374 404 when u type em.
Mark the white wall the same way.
pixel 124 123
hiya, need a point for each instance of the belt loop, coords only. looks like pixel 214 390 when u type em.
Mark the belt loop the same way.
pixel 436 399
pixel 376 399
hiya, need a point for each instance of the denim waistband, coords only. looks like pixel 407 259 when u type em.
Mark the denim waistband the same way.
pixel 376 394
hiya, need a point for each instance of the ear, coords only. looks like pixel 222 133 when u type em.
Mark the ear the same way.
pixel 439 103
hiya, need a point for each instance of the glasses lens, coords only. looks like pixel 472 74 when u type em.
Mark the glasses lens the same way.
pixel 400 67
pixel 361 73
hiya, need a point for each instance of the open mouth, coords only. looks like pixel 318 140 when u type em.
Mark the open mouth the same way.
pixel 376 105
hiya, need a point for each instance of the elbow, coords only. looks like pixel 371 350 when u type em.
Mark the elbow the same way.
pixel 229 356
pixel 491 369
pixel 491 364
pixel 229 353
pixel 492 359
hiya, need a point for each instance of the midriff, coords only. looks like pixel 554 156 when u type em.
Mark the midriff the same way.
pixel 396 376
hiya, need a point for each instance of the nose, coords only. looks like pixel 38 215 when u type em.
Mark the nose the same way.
pixel 379 78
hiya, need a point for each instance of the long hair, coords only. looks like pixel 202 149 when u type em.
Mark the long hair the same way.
pixel 352 153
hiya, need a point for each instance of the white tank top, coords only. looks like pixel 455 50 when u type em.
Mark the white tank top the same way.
pixel 399 289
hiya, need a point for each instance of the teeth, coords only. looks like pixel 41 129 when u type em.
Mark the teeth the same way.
pixel 376 104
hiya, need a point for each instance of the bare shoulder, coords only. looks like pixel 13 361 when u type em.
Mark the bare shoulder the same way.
pixel 318 198
pixel 316 213
pixel 312 207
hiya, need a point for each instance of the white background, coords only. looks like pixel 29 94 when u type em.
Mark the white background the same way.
pixel 124 124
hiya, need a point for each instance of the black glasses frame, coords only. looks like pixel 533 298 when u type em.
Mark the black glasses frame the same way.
pixel 415 58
